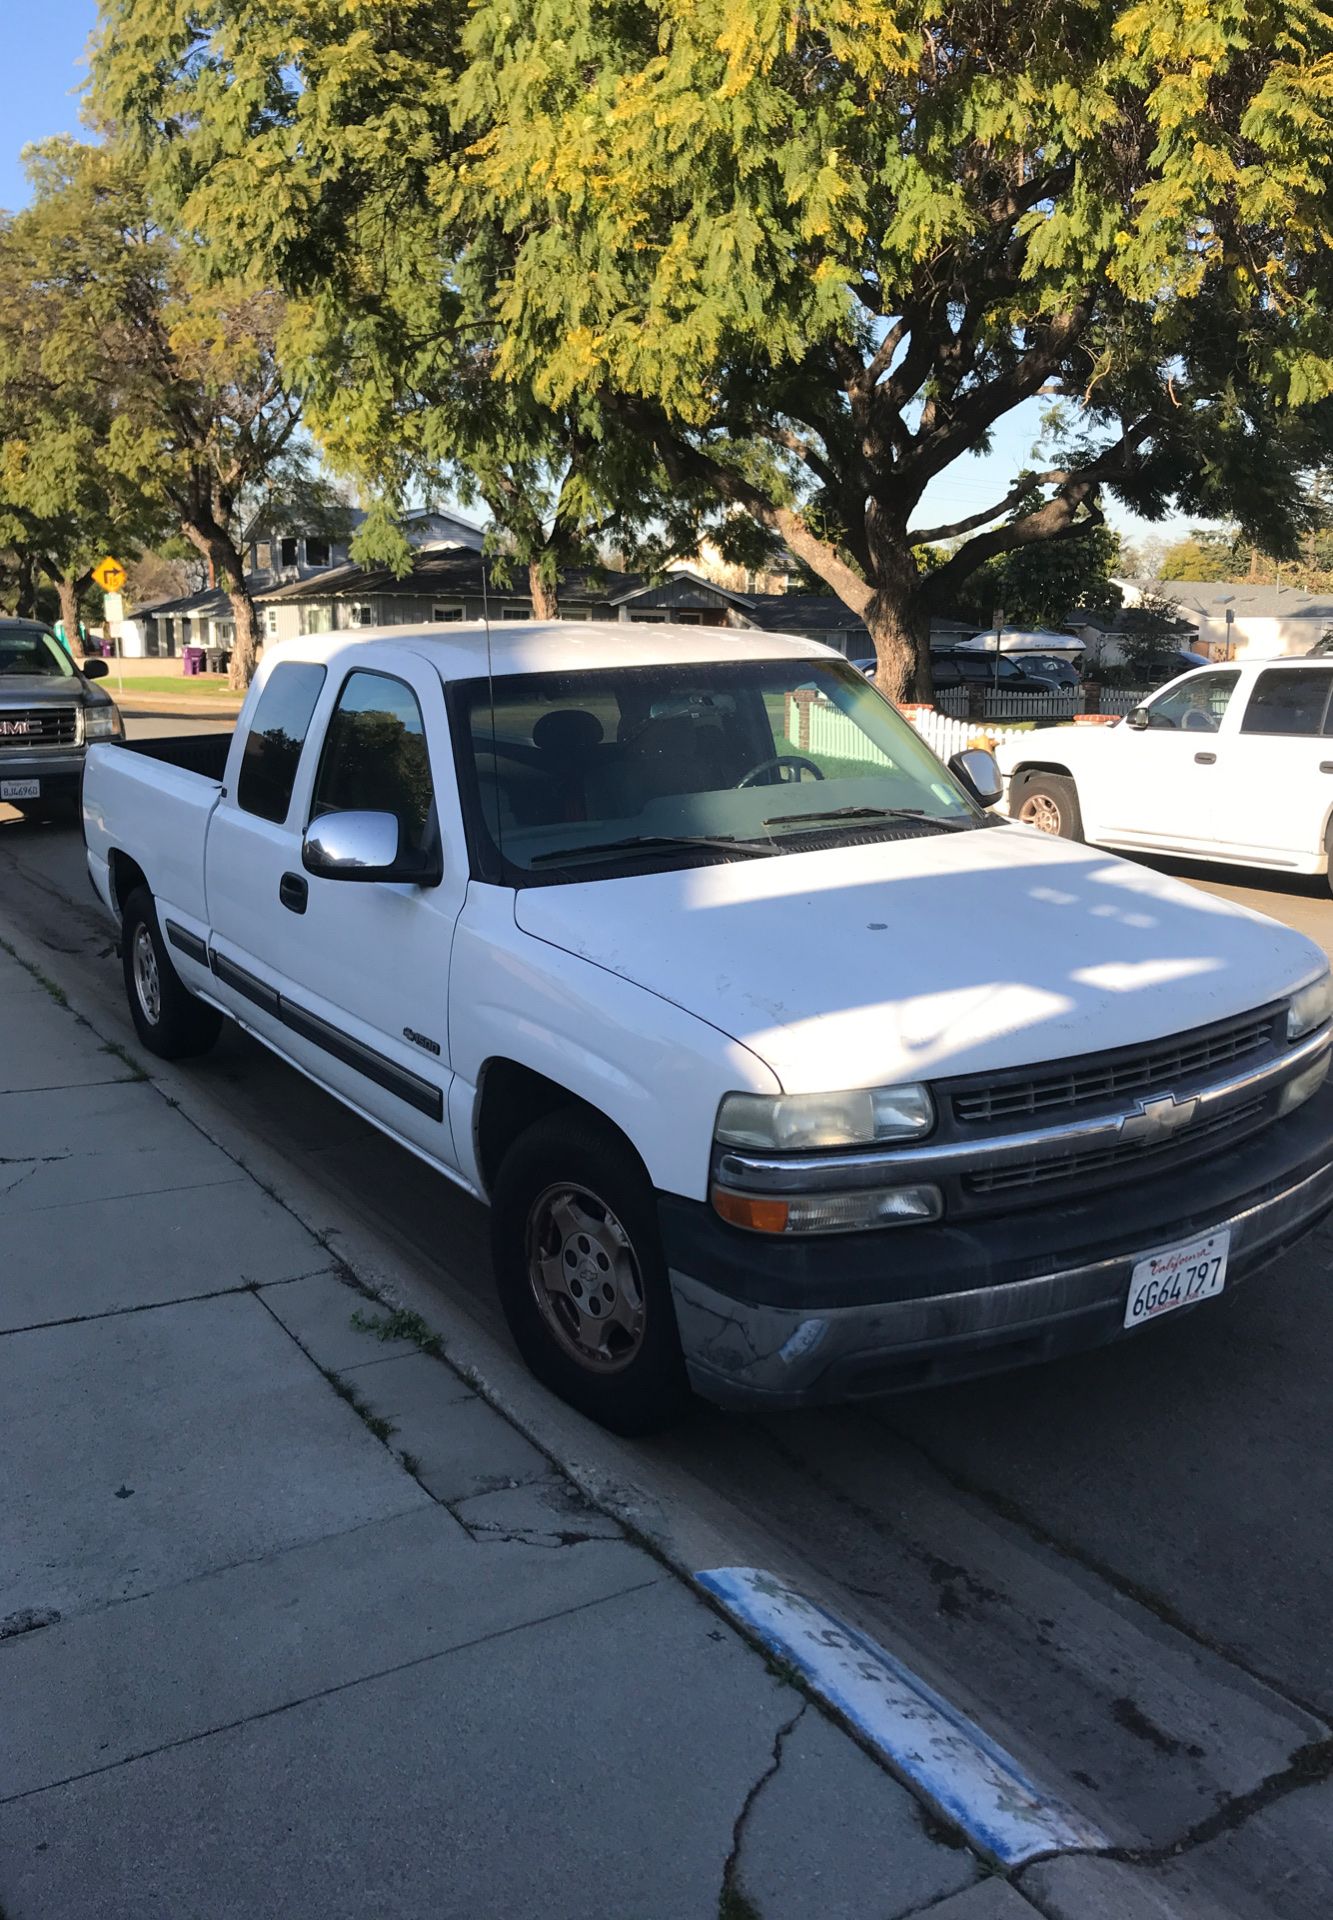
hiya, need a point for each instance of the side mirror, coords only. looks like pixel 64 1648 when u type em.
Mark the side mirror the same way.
pixel 365 846
pixel 1138 719
pixel 94 669
pixel 978 771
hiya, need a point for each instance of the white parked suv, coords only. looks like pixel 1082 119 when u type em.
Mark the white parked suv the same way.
pixel 790 1071
pixel 1230 763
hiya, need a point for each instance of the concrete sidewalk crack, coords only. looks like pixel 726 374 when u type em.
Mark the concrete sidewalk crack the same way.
pixel 155 1306
pixel 1309 1766
pixel 732 1903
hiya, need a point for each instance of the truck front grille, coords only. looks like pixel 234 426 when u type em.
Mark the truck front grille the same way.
pixel 24 727
pixel 1102 1079
pixel 1026 1174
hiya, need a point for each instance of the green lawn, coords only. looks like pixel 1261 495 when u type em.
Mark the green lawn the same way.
pixel 194 686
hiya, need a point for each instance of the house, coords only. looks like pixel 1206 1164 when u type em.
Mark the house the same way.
pixel 1236 620
pixel 277 560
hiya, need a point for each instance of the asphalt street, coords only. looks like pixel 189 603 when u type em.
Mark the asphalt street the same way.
pixel 1119 1564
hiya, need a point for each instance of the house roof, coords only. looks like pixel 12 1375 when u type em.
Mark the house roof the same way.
pixel 212 600
pixel 449 571
pixel 1212 598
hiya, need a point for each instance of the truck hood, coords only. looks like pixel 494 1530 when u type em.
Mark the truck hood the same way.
pixel 35 689
pixel 941 955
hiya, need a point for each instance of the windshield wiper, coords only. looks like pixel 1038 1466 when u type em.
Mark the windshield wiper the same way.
pixel 872 813
pixel 672 840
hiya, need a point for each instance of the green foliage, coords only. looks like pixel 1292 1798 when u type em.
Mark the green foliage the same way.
pixel 1205 555
pixel 626 266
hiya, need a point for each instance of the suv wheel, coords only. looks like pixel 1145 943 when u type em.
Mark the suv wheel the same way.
pixel 167 1017
pixel 1049 802
pixel 581 1276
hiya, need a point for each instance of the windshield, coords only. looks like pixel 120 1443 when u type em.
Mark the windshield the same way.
pixel 675 763
pixel 30 650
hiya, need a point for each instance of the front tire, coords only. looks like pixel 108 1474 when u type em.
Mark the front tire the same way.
pixel 581 1275
pixel 167 1017
pixel 1049 802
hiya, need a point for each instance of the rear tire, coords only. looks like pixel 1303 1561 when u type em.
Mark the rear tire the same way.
pixel 1049 802
pixel 581 1275
pixel 167 1017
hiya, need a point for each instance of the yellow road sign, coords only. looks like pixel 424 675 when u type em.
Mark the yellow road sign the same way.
pixel 109 575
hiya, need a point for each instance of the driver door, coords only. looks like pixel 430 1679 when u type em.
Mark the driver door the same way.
pixel 1157 788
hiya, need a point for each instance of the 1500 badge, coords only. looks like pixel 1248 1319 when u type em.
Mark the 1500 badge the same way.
pixel 422 1040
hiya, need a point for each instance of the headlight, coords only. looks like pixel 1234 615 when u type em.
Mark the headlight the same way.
pixel 1310 1007
pixel 1304 1086
pixel 828 1212
pixel 797 1122
pixel 102 723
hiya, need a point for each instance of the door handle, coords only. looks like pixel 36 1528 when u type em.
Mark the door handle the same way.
pixel 1205 759
pixel 1326 766
pixel 294 892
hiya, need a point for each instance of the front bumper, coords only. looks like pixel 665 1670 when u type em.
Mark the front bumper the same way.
pixel 783 1323
pixel 59 772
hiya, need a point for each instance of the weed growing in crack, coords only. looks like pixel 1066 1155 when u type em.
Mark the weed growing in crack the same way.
pixel 344 1389
pixel 412 1464
pixel 734 1905
pixel 43 979
pixel 114 1047
pixel 399 1324
pixel 784 1670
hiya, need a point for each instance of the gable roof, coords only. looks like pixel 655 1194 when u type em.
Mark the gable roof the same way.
pixel 449 570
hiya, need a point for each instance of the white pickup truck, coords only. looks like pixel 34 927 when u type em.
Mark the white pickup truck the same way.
pixel 1229 763
pixel 789 1070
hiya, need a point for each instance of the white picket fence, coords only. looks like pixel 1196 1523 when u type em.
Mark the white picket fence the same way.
pixel 1057 705
pixel 949 735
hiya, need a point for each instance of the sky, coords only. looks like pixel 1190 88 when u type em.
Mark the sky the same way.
pixel 42 51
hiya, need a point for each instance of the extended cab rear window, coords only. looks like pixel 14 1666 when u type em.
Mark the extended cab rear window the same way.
pixel 277 735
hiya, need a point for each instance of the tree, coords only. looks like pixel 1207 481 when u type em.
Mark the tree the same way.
pixel 856 235
pixel 183 415
pixel 1043 584
pixel 1207 554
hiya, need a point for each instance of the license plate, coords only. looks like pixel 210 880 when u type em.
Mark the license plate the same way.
pixel 1177 1276
pixel 20 789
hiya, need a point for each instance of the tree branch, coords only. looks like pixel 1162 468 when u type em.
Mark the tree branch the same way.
pixel 1055 476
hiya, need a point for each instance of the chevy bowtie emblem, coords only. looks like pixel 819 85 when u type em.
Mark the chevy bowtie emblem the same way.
pixel 1155 1119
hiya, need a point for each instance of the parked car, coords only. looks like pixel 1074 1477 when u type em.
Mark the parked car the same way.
pixel 1049 667
pixel 50 713
pixel 955 669
pixel 1229 763
pixel 790 1072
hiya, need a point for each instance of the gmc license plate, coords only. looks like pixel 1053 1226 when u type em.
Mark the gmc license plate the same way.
pixel 1177 1277
pixel 20 789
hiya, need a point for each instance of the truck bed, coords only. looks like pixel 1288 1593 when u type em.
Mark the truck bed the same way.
pixel 152 801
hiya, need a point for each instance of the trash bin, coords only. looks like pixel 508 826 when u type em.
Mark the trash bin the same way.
pixel 217 659
pixel 192 659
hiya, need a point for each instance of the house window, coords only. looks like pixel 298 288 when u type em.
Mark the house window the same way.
pixel 575 613
pixel 516 613
pixel 271 622
pixel 263 553
pixel 446 613
pixel 645 619
pixel 287 550
pixel 360 615
pixel 317 553
pixel 317 617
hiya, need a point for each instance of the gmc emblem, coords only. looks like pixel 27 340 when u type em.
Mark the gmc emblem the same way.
pixel 12 727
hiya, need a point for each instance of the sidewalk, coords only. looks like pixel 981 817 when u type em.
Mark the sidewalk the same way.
pixel 295 1624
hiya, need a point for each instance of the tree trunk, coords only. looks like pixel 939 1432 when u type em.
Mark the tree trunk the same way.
pixel 68 594
pixel 900 629
pixel 228 569
pixel 25 601
pixel 545 597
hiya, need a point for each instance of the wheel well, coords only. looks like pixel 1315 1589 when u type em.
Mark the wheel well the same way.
pixel 126 875
pixel 1040 766
pixel 510 1098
